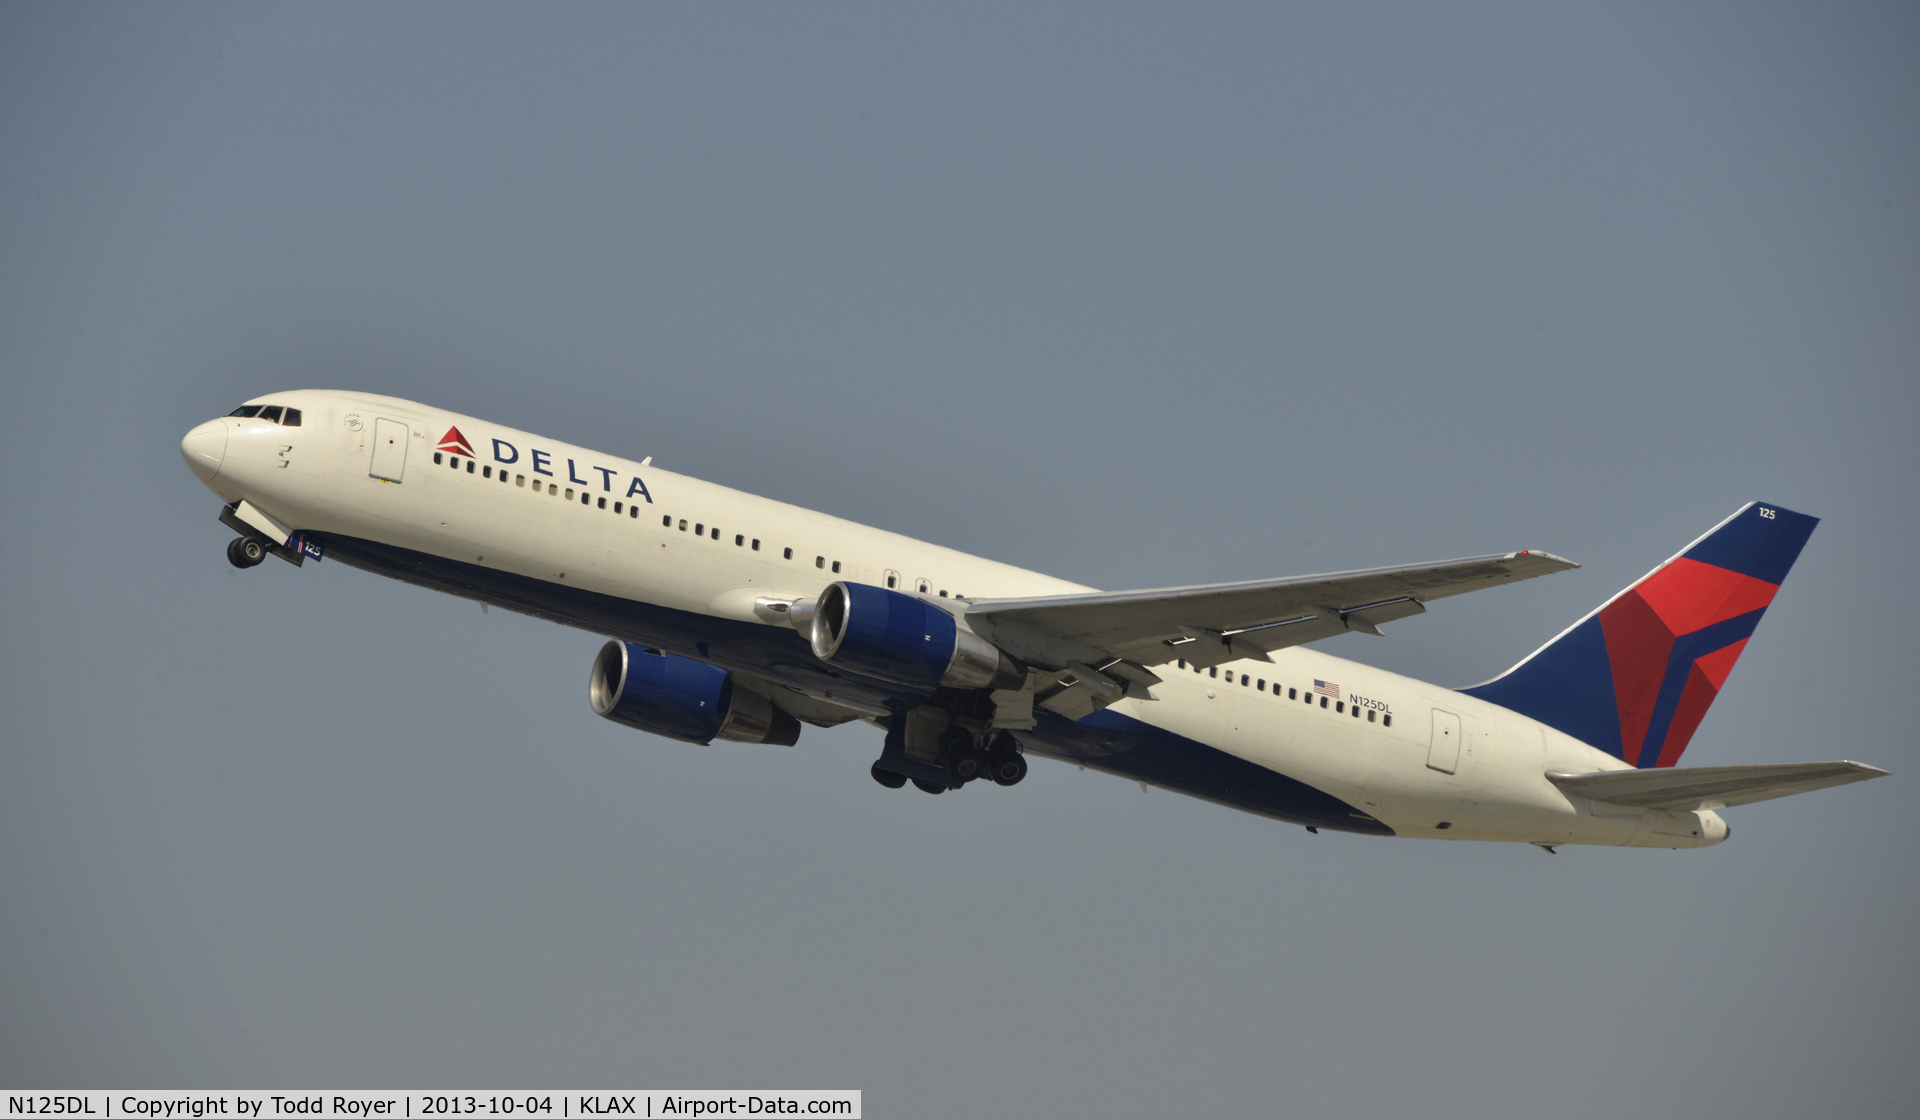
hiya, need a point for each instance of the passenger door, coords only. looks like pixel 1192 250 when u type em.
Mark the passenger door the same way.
pixel 389 449
pixel 1443 753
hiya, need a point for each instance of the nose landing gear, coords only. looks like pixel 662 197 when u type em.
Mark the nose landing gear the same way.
pixel 245 552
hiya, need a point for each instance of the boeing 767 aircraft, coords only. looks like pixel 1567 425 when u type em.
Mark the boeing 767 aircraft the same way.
pixel 737 617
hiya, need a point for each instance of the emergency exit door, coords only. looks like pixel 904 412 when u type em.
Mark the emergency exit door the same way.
pixel 389 449
pixel 1443 753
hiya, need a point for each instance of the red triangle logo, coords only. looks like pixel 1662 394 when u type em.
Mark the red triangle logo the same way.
pixel 455 442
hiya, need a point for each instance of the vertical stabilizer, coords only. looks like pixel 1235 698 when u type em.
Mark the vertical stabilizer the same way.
pixel 1635 677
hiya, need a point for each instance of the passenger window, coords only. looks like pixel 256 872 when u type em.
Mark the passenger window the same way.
pixel 633 512
pixel 291 419
pixel 1214 672
pixel 836 567
pixel 739 539
pixel 246 410
pixel 436 458
pixel 469 466
pixel 716 532
pixel 786 554
pixel 683 524
pixel 553 489
pixel 699 529
pixel 518 479
pixel 618 508
pixel 569 493
pixel 819 561
pixel 600 502
pixel 756 544
pixel 1323 701
pixel 1262 686
pixel 453 461
pixel 1292 693
pixel 666 522
pixel 943 592
pixel 1245 680
pixel 1386 721
pixel 1369 715
pixel 1182 663
pixel 486 472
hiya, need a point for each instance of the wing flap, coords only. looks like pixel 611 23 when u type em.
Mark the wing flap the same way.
pixel 1710 787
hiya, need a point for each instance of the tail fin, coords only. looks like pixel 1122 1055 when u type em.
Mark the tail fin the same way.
pixel 1635 677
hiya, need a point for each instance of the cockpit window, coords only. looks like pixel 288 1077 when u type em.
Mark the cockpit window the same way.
pixel 271 413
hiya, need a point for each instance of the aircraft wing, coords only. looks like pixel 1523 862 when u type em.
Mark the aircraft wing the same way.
pixel 1212 623
pixel 1710 787
pixel 806 709
pixel 1107 640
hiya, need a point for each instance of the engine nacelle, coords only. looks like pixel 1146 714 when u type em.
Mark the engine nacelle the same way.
pixel 682 699
pixel 895 637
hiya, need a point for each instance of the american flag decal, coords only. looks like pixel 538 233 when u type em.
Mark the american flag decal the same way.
pixel 1327 688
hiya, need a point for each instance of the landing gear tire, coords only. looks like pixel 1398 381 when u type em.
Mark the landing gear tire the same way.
pixel 245 552
pixel 929 787
pixel 887 777
pixel 965 767
pixel 1006 767
pixel 963 755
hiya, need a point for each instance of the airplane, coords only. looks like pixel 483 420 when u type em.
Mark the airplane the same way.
pixel 735 617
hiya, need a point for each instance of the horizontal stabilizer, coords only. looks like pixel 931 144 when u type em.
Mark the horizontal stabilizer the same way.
pixel 1709 787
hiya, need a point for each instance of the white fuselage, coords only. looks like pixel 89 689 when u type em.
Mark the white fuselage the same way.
pixel 1384 745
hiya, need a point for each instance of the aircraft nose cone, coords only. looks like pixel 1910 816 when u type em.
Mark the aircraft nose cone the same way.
pixel 204 447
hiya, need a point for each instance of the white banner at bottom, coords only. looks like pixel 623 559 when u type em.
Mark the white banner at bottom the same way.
pixel 543 1104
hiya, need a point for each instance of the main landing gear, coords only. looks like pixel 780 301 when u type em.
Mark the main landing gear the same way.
pixel 960 756
pixel 245 552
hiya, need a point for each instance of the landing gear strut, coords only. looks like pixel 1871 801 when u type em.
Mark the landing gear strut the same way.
pixel 245 552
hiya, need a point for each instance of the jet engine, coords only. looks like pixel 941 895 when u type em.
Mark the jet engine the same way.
pixel 904 639
pixel 682 699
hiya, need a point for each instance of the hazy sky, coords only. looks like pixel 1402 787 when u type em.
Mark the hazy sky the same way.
pixel 1135 296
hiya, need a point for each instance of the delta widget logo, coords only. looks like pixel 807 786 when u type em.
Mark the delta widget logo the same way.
pixel 456 443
